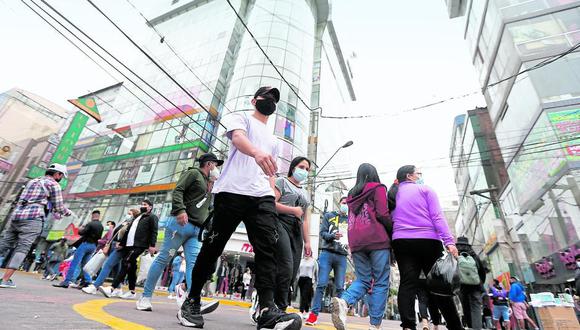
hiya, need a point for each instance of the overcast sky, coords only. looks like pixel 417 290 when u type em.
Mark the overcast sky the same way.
pixel 408 53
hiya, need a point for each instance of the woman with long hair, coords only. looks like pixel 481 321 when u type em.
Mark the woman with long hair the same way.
pixel 291 203
pixel 419 233
pixel 368 238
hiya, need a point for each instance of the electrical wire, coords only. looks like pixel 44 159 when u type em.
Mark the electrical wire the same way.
pixel 164 40
pixel 154 62
pixel 119 71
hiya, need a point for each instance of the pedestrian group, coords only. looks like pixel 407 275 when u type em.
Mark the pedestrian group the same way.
pixel 376 226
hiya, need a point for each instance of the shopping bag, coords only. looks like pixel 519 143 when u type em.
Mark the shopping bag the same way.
pixel 443 278
pixel 145 262
pixel 95 263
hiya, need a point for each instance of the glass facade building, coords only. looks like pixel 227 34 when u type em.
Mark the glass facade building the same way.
pixel 144 143
pixel 536 119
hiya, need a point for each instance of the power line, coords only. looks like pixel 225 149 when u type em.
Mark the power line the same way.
pixel 164 40
pixel 541 64
pixel 119 71
pixel 154 62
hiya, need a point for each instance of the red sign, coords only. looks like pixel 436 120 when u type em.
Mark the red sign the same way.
pixel 247 247
pixel 71 232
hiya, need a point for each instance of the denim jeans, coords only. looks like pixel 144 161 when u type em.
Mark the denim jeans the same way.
pixel 177 278
pixel 175 236
pixel 328 261
pixel 112 261
pixel 367 266
pixel 82 255
pixel 52 267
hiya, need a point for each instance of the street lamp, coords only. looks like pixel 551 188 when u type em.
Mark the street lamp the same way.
pixel 313 181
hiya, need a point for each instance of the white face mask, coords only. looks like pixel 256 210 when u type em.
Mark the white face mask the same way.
pixel 214 174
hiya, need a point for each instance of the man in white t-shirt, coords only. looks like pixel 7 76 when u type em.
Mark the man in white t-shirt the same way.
pixel 245 192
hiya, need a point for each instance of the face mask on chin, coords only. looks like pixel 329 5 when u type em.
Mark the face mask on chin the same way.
pixel 266 106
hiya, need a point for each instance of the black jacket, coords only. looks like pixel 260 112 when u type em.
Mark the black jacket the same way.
pixel 480 267
pixel 146 234
pixel 328 227
pixel 91 232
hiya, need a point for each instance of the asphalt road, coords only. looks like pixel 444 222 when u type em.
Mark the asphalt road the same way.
pixel 35 304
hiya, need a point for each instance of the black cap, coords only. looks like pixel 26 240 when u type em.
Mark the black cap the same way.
pixel 462 240
pixel 209 157
pixel 268 90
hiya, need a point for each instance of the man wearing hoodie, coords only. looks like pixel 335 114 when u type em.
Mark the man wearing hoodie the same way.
pixel 471 292
pixel 332 256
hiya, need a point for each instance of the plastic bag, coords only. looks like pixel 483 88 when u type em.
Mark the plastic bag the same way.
pixel 94 265
pixel 443 278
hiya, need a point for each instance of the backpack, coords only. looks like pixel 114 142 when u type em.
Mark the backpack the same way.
pixel 468 273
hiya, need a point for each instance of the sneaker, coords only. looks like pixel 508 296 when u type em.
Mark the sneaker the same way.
pixel 117 293
pixel 73 285
pixel 144 304
pixel 312 319
pixel 129 295
pixel 62 284
pixel 274 318
pixel 189 314
pixel 254 309
pixel 7 284
pixel 90 289
pixel 53 277
pixel 339 309
pixel 208 307
pixel 180 295
pixel 425 324
pixel 374 327
pixel 106 291
pixel 304 316
pixel 171 296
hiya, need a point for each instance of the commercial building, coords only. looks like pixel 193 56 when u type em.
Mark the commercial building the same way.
pixel 535 118
pixel 28 136
pixel 142 145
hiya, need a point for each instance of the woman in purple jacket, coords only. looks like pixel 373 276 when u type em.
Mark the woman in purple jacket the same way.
pixel 419 227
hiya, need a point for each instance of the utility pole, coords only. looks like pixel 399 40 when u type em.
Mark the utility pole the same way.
pixel 494 198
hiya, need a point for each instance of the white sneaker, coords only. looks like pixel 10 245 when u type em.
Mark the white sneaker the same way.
pixel 106 291
pixel 255 308
pixel 144 304
pixel 91 289
pixel 375 327
pixel 339 310
pixel 210 306
pixel 117 293
pixel 171 296
pixel 127 295
pixel 180 295
pixel 304 315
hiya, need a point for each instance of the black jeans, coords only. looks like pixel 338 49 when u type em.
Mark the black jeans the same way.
pixel 259 216
pixel 414 256
pixel 306 292
pixel 425 308
pixel 129 257
pixel 288 254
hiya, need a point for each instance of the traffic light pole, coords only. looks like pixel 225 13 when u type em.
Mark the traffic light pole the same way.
pixel 494 198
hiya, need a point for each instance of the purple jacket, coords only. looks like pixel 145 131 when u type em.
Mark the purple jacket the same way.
pixel 419 215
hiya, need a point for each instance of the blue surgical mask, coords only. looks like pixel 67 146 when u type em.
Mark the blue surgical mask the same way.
pixel 299 174
pixel 420 181
pixel 343 208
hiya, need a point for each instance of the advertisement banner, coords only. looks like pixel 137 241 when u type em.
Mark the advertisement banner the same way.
pixel 567 125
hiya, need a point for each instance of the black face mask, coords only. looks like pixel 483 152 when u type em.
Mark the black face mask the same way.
pixel 144 209
pixel 266 106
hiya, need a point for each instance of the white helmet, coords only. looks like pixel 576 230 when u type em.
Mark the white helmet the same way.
pixel 58 168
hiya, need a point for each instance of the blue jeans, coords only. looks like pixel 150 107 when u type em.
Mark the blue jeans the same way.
pixel 177 278
pixel 175 236
pixel 82 255
pixel 328 261
pixel 367 266
pixel 112 261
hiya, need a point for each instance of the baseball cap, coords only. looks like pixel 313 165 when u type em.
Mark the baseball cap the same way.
pixel 268 90
pixel 209 157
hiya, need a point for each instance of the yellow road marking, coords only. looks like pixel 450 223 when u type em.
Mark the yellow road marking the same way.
pixel 93 310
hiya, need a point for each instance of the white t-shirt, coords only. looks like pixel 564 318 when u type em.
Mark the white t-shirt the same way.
pixel 132 231
pixel 240 173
